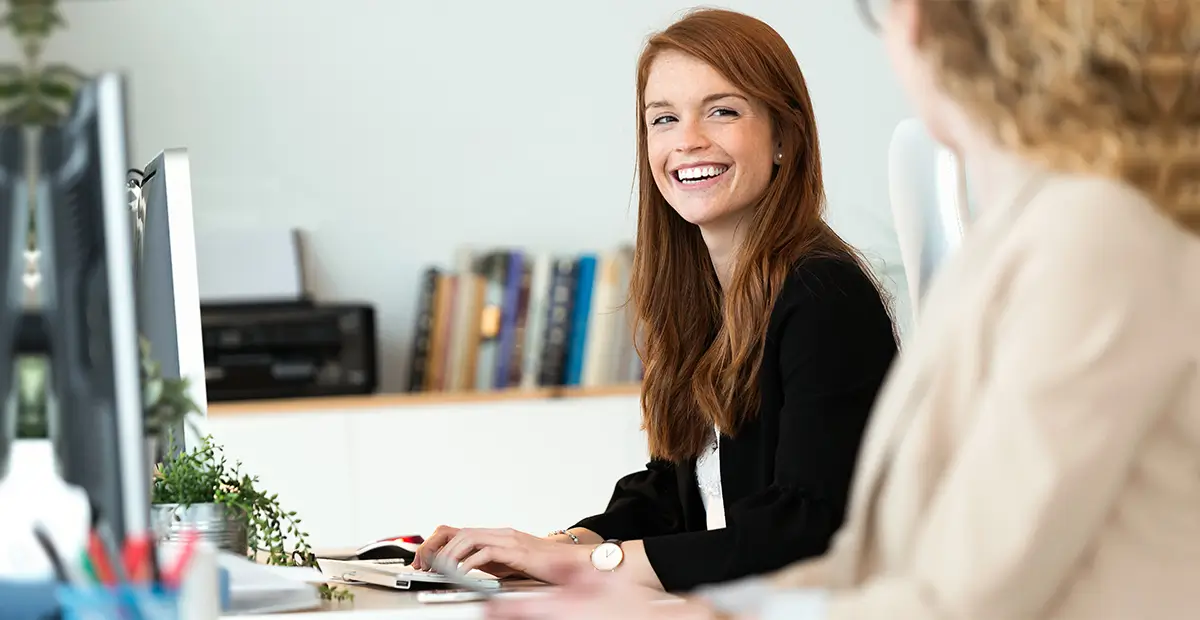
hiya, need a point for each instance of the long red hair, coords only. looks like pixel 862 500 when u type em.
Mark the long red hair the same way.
pixel 702 347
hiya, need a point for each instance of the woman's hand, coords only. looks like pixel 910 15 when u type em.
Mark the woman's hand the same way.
pixel 432 545
pixel 501 552
pixel 591 595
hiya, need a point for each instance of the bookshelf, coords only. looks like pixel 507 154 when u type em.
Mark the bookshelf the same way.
pixel 520 360
pixel 510 318
pixel 416 399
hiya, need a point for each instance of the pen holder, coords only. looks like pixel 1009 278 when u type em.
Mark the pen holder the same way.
pixel 139 602
pixel 28 600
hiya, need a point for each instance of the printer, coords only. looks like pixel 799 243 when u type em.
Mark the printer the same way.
pixel 264 335
pixel 288 350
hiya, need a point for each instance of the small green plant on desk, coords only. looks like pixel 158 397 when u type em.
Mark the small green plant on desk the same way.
pixel 204 475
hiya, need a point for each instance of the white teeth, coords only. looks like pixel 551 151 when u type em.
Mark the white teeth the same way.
pixel 700 173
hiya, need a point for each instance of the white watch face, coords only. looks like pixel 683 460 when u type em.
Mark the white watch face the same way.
pixel 607 556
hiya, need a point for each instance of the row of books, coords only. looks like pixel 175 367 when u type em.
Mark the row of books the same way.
pixel 509 318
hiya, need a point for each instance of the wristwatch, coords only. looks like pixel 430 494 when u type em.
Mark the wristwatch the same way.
pixel 607 556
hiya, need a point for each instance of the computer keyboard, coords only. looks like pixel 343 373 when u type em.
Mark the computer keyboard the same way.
pixel 402 564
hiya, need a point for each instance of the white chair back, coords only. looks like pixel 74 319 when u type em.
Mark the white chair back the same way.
pixel 930 204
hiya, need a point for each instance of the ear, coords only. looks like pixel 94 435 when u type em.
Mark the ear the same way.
pixel 778 157
pixel 905 17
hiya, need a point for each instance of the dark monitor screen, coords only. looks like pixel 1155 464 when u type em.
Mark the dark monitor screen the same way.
pixel 14 207
pixel 89 309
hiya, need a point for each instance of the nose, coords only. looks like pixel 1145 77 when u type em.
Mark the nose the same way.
pixel 690 137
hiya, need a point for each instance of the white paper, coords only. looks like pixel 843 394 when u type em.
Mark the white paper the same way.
pixel 260 588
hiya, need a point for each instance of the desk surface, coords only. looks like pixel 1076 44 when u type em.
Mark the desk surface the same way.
pixel 371 602
pixel 376 603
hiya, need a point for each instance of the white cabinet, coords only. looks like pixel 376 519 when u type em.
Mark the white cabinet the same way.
pixel 358 469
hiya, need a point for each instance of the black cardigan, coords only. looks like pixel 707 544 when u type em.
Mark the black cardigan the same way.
pixel 786 476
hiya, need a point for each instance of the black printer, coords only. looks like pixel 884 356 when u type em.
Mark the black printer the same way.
pixel 288 350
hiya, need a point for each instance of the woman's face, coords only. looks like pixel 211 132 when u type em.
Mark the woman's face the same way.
pixel 710 146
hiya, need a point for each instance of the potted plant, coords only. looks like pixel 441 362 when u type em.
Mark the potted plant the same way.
pixel 201 489
pixel 34 94
pixel 188 489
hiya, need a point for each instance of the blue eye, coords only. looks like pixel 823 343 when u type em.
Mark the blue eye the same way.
pixel 661 119
pixel 724 112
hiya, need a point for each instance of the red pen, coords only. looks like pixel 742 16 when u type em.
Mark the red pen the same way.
pixel 136 558
pixel 100 560
pixel 174 574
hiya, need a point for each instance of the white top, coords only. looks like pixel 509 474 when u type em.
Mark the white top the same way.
pixel 708 478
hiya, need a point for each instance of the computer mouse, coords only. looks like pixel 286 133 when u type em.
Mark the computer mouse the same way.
pixel 388 552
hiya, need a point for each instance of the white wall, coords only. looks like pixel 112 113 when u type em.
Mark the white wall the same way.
pixel 392 130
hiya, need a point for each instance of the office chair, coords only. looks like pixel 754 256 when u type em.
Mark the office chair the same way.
pixel 930 205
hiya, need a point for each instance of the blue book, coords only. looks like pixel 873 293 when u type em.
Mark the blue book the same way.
pixel 508 320
pixel 585 276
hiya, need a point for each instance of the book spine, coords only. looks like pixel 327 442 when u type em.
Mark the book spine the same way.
pixel 439 333
pixel 422 331
pixel 516 363
pixel 559 307
pixel 584 283
pixel 494 268
pixel 508 320
pixel 537 313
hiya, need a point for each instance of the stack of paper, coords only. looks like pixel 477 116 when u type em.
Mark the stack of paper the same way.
pixel 262 589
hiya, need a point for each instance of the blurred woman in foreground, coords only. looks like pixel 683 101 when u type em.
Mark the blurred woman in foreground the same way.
pixel 1036 452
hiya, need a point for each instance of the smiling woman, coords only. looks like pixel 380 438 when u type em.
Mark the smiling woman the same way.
pixel 764 337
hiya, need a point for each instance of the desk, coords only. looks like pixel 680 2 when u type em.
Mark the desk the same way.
pixel 372 603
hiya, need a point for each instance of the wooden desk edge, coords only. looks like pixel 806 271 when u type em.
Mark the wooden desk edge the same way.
pixel 418 399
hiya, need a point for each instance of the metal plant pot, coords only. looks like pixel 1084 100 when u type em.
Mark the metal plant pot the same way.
pixel 225 528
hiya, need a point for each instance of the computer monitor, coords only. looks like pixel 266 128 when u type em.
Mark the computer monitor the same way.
pixel 168 288
pixel 89 310
pixel 14 224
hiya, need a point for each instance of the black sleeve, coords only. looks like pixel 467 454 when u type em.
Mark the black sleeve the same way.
pixel 644 503
pixel 835 345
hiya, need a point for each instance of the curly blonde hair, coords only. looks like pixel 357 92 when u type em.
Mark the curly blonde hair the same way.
pixel 1108 87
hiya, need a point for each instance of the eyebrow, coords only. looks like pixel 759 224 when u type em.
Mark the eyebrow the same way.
pixel 709 99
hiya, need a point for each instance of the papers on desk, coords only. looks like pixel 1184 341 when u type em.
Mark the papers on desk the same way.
pixel 262 589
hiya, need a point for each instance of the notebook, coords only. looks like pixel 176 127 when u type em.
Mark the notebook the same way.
pixel 397 574
pixel 262 589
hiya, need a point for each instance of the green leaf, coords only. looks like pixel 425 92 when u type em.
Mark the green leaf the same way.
pixel 71 75
pixel 9 90
pixel 55 89
pixel 13 83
